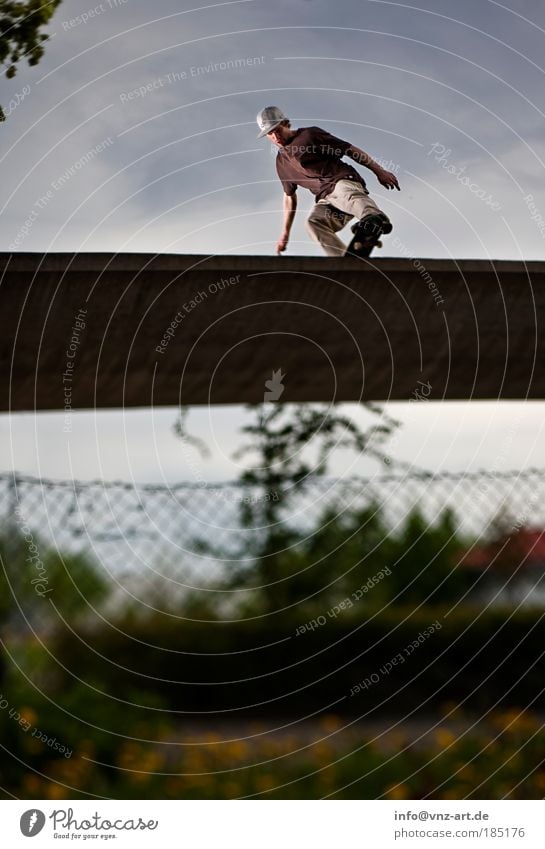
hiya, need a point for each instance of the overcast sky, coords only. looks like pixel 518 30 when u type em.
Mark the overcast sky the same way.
pixel 136 132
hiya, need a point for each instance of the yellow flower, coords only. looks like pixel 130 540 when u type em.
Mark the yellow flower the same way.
pixel 450 709
pixel 466 772
pixel 28 715
pixel 55 791
pixel 152 761
pixel 539 781
pixel 265 782
pixel 31 783
pixel 460 791
pixel 86 747
pixel 504 791
pixel 237 750
pixel 138 777
pixel 231 790
pixel 398 791
pixel 444 738
pixel 212 737
pixel 33 745
pixel 270 748
pixel 396 739
pixel 331 722
pixel 508 720
pixel 130 754
pixel 322 752
pixel 194 761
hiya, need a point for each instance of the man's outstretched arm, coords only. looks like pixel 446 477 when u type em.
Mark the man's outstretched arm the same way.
pixel 386 178
pixel 290 207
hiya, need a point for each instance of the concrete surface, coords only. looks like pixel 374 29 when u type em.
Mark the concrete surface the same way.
pixel 92 330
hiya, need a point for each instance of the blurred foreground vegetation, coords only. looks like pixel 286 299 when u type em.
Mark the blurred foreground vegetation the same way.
pixel 157 757
pixel 181 699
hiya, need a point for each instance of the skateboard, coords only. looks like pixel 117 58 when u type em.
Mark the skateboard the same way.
pixel 367 235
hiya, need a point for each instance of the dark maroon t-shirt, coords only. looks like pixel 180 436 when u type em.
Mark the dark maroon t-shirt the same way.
pixel 312 159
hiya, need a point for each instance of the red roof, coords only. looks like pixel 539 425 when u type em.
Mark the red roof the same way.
pixel 524 547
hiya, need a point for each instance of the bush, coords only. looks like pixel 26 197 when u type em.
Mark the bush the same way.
pixel 263 666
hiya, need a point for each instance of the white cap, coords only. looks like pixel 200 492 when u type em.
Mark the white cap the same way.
pixel 268 119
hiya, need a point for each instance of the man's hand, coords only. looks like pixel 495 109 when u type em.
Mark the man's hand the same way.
pixel 387 179
pixel 282 244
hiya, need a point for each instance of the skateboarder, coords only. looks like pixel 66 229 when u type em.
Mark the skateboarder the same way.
pixel 312 158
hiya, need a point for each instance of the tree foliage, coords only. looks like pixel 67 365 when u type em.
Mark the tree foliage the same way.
pixel 286 448
pixel 426 560
pixel 32 574
pixel 280 437
pixel 20 32
pixel 406 561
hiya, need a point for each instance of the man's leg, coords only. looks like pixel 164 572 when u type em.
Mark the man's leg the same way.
pixel 352 198
pixel 323 223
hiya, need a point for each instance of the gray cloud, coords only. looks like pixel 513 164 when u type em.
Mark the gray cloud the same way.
pixel 176 93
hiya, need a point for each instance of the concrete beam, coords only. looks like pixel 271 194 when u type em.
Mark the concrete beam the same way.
pixel 132 330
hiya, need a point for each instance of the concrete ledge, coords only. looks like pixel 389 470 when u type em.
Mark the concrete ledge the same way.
pixel 115 330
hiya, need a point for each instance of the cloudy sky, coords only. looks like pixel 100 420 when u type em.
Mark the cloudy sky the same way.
pixel 136 132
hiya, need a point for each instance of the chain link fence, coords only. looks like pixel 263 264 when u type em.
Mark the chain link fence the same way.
pixel 153 531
